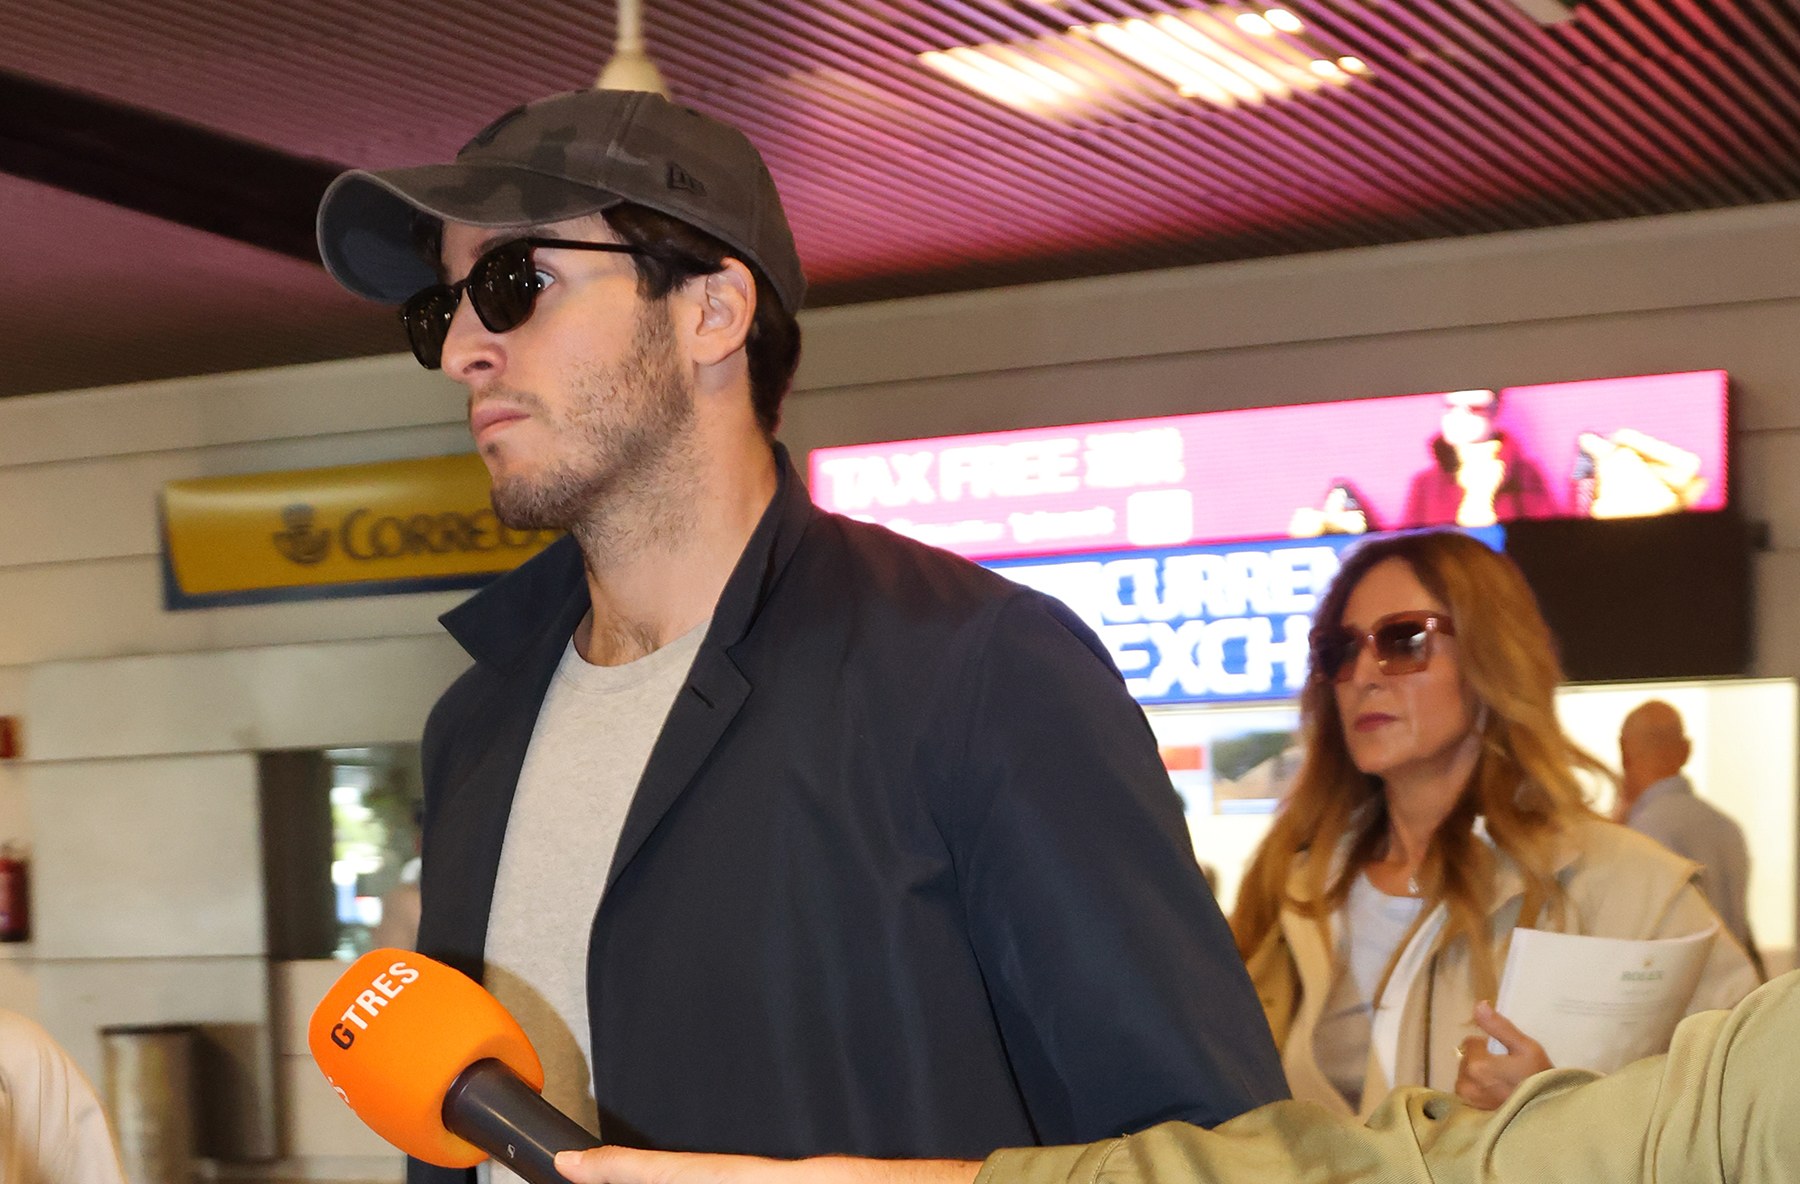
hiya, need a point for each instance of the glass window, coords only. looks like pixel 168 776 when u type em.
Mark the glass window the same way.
pixel 376 811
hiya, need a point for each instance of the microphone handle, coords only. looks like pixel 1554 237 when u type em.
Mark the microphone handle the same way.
pixel 491 1107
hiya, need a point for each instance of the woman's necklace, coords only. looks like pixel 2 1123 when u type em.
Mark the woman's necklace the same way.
pixel 1395 852
pixel 1412 875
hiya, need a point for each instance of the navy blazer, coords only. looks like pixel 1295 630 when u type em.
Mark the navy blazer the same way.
pixel 904 875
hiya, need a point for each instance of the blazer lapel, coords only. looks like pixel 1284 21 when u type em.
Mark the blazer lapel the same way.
pixel 467 826
pixel 716 688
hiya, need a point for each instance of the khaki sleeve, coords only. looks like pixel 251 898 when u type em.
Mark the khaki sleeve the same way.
pixel 1717 1107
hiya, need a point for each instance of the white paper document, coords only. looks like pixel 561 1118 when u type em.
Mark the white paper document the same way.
pixel 1599 1002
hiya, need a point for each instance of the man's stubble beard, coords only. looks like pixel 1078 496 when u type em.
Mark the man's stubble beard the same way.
pixel 630 484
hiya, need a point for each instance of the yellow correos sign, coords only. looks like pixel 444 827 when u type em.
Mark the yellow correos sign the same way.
pixel 351 530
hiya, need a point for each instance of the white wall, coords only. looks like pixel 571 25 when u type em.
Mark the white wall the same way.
pixel 138 724
pixel 138 792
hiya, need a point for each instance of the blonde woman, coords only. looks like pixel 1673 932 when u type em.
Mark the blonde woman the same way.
pixel 1437 810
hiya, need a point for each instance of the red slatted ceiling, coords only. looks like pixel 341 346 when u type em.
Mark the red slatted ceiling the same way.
pixel 1473 119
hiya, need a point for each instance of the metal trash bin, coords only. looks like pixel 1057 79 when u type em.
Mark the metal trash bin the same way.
pixel 149 1098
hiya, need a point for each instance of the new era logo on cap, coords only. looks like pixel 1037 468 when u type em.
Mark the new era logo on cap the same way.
pixel 680 178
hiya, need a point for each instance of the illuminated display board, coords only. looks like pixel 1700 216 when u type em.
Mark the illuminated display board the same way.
pixel 1201 624
pixel 1619 447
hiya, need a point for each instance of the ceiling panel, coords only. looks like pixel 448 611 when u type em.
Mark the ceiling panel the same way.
pixel 92 295
pixel 1428 118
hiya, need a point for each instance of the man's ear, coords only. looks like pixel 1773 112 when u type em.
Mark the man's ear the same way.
pixel 722 305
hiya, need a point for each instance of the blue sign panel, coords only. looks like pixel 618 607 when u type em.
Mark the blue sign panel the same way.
pixel 1209 624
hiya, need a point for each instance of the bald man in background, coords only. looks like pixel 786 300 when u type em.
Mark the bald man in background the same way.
pixel 1656 800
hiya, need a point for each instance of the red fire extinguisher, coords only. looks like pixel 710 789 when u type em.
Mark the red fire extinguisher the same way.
pixel 15 894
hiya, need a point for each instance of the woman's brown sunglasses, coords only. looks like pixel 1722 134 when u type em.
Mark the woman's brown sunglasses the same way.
pixel 1401 643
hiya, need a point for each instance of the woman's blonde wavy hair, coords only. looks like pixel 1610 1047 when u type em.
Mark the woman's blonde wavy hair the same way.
pixel 1523 783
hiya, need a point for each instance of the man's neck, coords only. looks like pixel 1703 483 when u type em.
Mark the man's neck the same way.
pixel 1630 796
pixel 655 570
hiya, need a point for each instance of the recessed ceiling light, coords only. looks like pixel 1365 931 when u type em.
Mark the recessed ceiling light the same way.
pixel 1232 70
pixel 1153 49
pixel 1353 66
pixel 987 69
pixel 1220 55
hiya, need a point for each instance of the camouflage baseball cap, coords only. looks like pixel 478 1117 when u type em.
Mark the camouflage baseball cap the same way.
pixel 558 158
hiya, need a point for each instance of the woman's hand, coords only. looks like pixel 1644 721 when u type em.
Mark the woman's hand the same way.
pixel 1486 1080
pixel 628 1165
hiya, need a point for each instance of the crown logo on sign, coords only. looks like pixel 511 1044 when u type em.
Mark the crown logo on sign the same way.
pixel 300 543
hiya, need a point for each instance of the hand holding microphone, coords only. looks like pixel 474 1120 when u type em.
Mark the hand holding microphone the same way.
pixel 434 1065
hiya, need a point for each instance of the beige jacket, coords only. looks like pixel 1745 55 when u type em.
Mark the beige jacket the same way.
pixel 1619 884
pixel 1718 1107
pixel 52 1129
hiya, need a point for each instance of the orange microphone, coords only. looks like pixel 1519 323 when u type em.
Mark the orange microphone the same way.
pixel 438 1068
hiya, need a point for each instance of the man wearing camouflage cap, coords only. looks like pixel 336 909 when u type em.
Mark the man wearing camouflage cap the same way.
pixel 779 832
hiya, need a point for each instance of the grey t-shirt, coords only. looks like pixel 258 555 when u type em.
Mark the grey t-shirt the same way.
pixel 588 750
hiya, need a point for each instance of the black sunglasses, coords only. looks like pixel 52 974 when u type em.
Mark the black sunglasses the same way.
pixel 502 285
pixel 1401 642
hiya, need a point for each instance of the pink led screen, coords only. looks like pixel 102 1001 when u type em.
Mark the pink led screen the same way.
pixel 1609 448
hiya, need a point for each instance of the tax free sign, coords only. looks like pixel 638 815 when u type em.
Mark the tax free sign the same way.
pixel 1197 624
